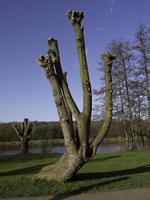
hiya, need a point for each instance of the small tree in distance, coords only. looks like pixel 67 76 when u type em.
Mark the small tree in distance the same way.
pixel 23 132
pixel 78 147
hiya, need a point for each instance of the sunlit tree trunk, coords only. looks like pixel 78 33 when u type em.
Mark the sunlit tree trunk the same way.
pixel 78 147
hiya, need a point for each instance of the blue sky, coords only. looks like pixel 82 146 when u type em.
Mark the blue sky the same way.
pixel 24 27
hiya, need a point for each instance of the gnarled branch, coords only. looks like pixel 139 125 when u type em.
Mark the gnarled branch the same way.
pixel 54 53
pixel 59 101
pixel 85 117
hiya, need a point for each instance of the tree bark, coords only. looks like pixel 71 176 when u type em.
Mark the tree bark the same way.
pixel 63 170
pixel 78 148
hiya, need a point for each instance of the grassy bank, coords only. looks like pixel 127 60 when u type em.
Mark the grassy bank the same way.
pixel 106 172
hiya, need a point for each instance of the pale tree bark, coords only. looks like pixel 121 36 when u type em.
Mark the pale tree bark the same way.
pixel 78 147
pixel 124 121
pixel 140 122
pixel 23 132
pixel 133 134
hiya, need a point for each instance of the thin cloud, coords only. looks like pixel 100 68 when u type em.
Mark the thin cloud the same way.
pixel 111 10
pixel 112 7
pixel 99 29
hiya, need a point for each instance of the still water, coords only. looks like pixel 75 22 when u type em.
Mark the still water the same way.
pixel 106 147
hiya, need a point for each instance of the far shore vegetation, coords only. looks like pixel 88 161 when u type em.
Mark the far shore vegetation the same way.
pixel 52 131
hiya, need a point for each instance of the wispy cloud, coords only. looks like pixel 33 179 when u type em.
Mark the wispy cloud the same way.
pixel 99 29
pixel 111 10
pixel 112 7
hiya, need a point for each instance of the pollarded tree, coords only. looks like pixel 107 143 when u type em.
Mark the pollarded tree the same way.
pixel 78 147
pixel 23 132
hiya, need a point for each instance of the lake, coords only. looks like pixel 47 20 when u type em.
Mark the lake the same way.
pixel 105 147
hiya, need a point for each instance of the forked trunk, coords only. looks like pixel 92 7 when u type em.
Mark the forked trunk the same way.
pixel 79 148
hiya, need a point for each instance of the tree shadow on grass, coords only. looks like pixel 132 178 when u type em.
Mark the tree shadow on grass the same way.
pixel 117 176
pixel 36 168
pixel 111 174
pixel 27 170
pixel 86 188
pixel 104 158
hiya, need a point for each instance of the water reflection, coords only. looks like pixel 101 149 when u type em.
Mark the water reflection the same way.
pixel 106 147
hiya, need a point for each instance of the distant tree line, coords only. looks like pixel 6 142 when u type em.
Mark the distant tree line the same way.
pixel 52 130
pixel 131 85
pixel 41 130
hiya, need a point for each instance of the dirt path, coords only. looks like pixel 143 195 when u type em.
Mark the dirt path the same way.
pixel 136 194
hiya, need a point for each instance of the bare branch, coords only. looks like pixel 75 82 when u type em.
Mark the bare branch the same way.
pixel 85 117
pixel 76 18
pixel 28 129
pixel 17 130
pixel 54 52
pixel 59 101
pixel 108 61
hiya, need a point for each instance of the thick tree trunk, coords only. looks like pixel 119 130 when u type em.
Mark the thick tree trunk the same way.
pixel 77 152
pixel 24 144
pixel 62 170
pixel 78 147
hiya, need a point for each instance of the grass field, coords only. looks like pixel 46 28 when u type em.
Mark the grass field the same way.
pixel 115 171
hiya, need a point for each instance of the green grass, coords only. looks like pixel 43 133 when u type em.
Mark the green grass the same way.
pixel 115 171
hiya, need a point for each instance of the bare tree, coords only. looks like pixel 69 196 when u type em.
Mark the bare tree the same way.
pixel 23 131
pixel 77 151
pixel 131 84
pixel 138 104
pixel 142 47
pixel 123 66
pixel 122 74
